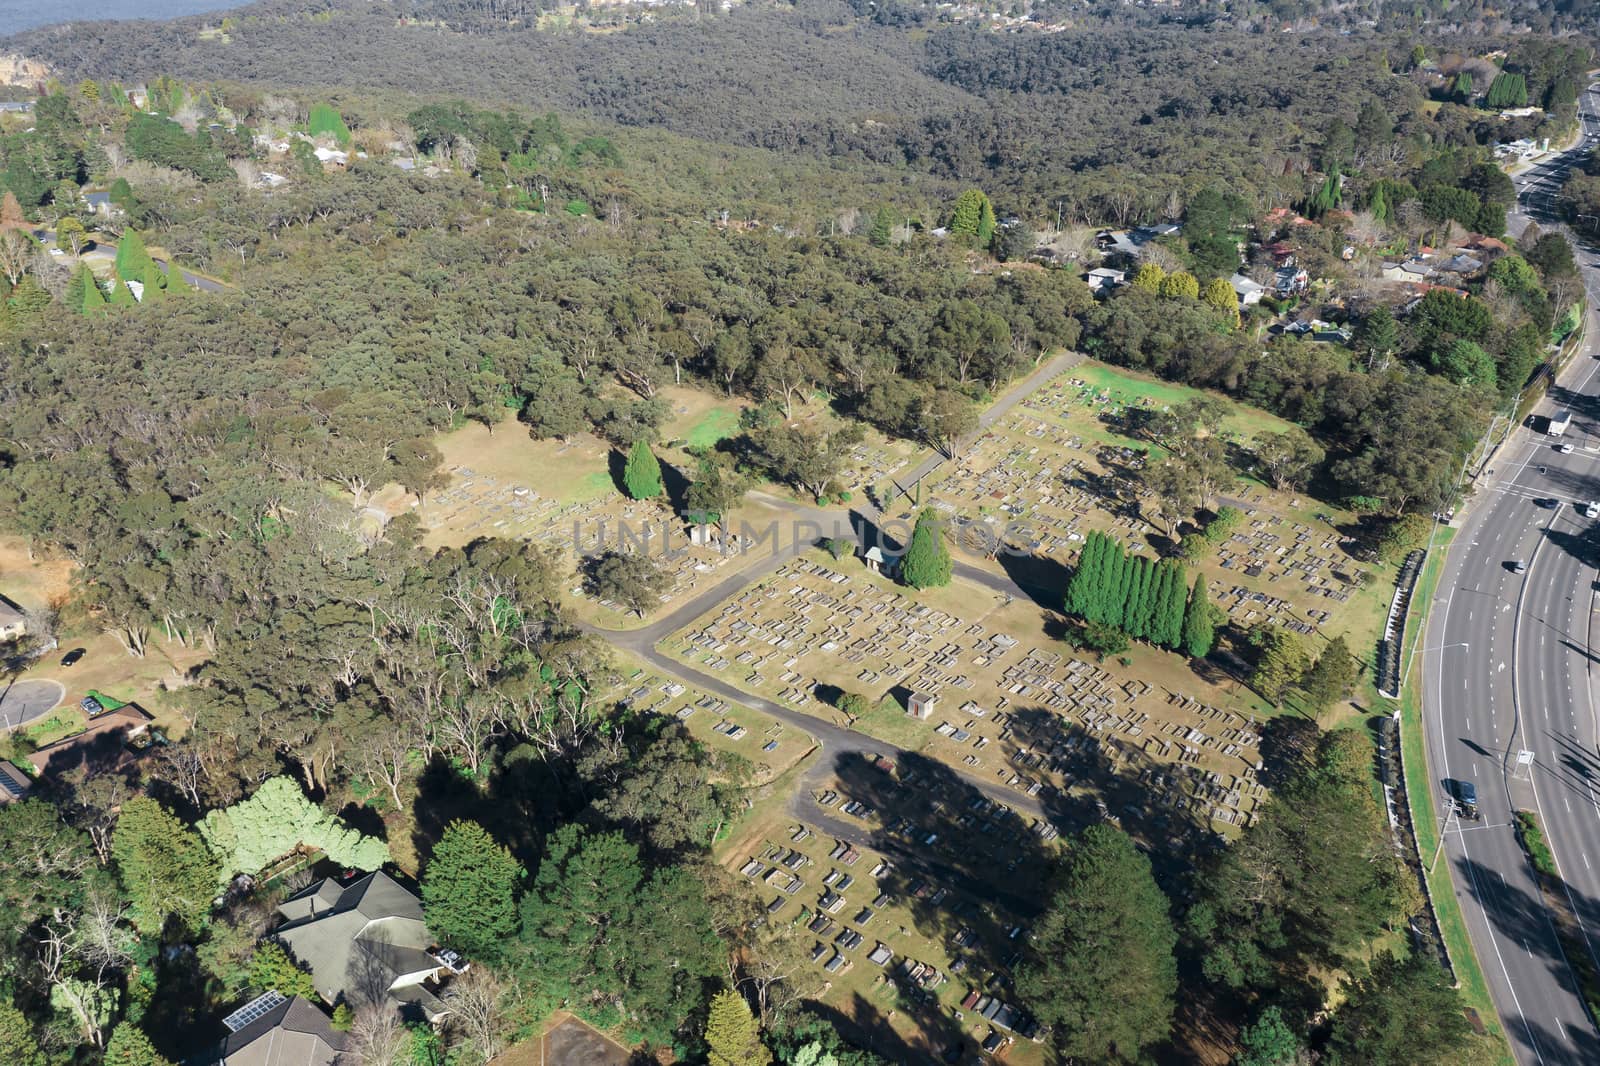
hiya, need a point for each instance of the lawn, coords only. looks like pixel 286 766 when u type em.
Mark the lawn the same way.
pixel 718 424
pixel 1127 388
pixel 63 722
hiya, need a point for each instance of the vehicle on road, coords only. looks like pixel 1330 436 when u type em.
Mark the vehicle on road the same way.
pixel 1466 797
pixel 1591 509
pixel 1565 448
pixel 1558 423
pixel 1518 566
pixel 1549 503
pixel 73 656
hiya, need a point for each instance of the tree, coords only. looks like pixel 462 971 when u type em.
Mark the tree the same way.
pixel 19 1043
pixel 1332 676
pixel 1468 364
pixel 1402 1012
pixel 973 217
pixel 1149 277
pixel 121 295
pixel 132 258
pixel 70 235
pixel 154 285
pixel 469 891
pixel 11 216
pixel 732 1035
pixel 1182 285
pixel 927 559
pixel 882 227
pixel 164 867
pixel 1403 535
pixel 1288 457
pixel 17 249
pixel 272 969
pixel 1506 91
pixel 636 582
pixel 1328 195
pixel 177 283
pixel 1199 622
pixel 1102 970
pixel 93 298
pixel 129 1046
pixel 641 476
pixel 1268 1041
pixel 1378 337
pixel 1219 294
pixel 277 820
pixel 1280 660
pixel 1014 242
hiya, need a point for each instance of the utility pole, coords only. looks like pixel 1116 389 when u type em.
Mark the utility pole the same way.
pixel 1448 818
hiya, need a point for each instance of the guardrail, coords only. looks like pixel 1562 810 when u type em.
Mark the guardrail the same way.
pixel 1392 646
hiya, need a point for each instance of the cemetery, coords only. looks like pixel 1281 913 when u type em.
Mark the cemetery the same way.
pixel 992 695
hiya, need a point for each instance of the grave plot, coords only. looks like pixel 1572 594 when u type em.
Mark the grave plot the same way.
pixel 1056 468
pixel 978 691
pixel 770 747
pixel 885 931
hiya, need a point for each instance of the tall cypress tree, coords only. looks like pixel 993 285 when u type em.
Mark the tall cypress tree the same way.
pixel 93 298
pixel 641 477
pixel 882 228
pixel 1199 624
pixel 132 258
pixel 1149 578
pixel 1172 609
pixel 927 558
pixel 176 282
pixel 1117 614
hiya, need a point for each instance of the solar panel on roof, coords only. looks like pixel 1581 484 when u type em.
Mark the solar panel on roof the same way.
pixel 12 787
pixel 255 1010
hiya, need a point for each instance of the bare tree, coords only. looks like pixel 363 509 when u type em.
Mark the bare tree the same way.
pixel 474 1000
pixel 378 1037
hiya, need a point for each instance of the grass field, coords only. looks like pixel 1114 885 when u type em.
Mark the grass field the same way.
pixel 1126 387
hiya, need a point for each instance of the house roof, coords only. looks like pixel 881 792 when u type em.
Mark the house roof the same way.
pixel 362 940
pixel 14 784
pixel 103 743
pixel 294 1033
pixel 1244 286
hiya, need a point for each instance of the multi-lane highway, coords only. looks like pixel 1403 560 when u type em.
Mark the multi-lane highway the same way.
pixel 1507 668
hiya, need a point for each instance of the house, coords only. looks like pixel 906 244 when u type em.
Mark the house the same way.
pixel 99 203
pixel 1290 281
pixel 1104 279
pixel 330 155
pixel 879 563
pixel 13 623
pixel 366 942
pixel 16 107
pixel 14 784
pixel 1462 264
pixel 1249 292
pixel 274 1031
pixel 112 742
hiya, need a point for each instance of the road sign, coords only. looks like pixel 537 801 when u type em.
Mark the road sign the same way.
pixel 1524 762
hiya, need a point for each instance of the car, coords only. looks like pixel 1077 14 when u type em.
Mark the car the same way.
pixel 1518 566
pixel 91 706
pixel 1564 449
pixel 1591 509
pixel 1549 503
pixel 73 656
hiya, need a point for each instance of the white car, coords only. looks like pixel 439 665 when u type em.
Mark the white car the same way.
pixel 1591 509
pixel 1565 449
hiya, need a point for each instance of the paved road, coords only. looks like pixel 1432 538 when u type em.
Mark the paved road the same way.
pixel 108 250
pixel 1506 667
pixel 22 702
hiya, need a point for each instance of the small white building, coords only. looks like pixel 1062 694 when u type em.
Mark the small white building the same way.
pixel 1249 292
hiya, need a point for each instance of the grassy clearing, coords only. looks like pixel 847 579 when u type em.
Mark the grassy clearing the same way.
pixel 1419 792
pixel 718 424
pixel 62 723
pixel 1126 387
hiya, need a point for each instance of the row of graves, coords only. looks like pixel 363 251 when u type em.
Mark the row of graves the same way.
pixel 481 505
pixel 1040 487
pixel 769 745
pixel 975 685
pixel 859 913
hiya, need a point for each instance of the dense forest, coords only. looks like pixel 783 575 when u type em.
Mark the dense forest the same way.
pixel 801 221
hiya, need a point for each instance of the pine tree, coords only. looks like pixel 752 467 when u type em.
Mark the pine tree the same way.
pixel 28 298
pixel 177 284
pixel 73 296
pixel 469 891
pixel 272 969
pixel 1379 204
pixel 1327 196
pixel 155 288
pixel 132 258
pixel 1080 586
pixel 1332 676
pixel 882 228
pixel 121 295
pixel 1199 624
pixel 641 477
pixel 164 867
pixel 986 222
pixel 11 216
pixel 129 1046
pixel 1141 599
pixel 19 1044
pixel 1181 286
pixel 927 559
pixel 1149 278
pixel 93 298
pixel 733 1037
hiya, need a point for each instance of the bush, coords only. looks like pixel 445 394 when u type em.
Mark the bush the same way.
pixel 1532 837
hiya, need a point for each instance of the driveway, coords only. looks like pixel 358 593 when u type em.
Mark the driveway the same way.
pixel 25 701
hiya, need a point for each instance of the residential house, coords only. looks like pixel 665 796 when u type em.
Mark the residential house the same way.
pixel 1104 279
pixel 14 784
pixel 274 1031
pixel 1249 292
pixel 367 942
pixel 99 203
pixel 1290 281
pixel 16 107
pixel 1462 264
pixel 13 623
pixel 112 742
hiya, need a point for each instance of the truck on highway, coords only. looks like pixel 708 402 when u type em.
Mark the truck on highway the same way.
pixel 1559 423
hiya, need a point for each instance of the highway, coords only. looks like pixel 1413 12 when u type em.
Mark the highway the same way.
pixel 1507 667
